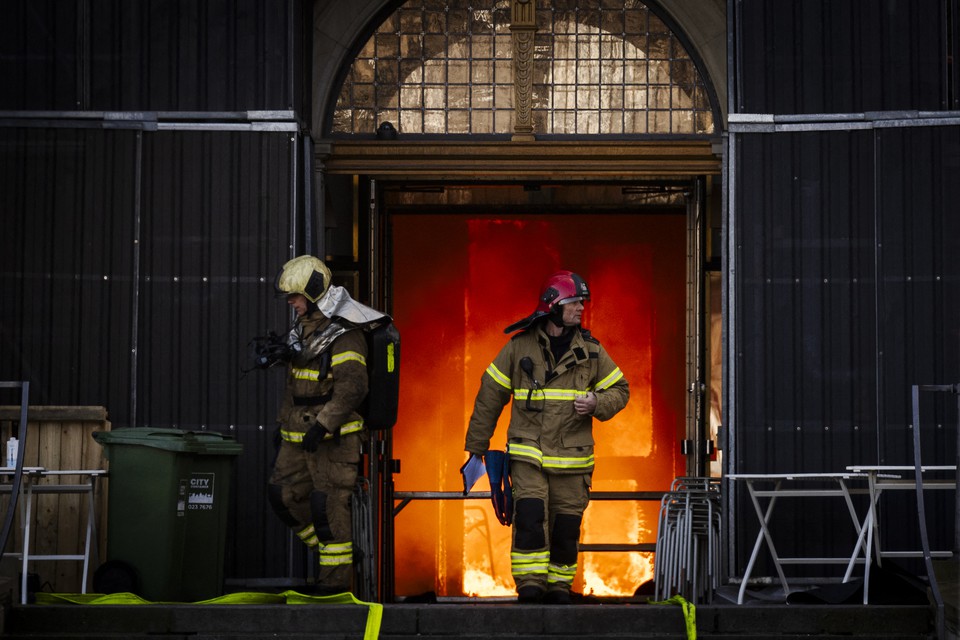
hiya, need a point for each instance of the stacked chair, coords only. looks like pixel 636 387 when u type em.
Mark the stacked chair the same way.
pixel 687 561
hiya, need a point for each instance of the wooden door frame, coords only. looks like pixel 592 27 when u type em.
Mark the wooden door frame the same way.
pixel 553 160
pixel 469 161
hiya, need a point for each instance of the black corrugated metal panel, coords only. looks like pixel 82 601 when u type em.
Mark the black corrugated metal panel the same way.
pixel 39 44
pixel 67 264
pixel 848 294
pixel 153 55
pixel 919 320
pixel 821 56
pixel 134 269
pixel 215 229
pixel 807 392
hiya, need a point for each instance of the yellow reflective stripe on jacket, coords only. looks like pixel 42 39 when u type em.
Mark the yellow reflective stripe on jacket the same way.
pixel 349 427
pixel 549 394
pixel 309 536
pixel 326 560
pixel 564 462
pixel 612 378
pixel 340 358
pixel 561 573
pixel 498 376
pixel 296 437
pixel 348 356
pixel 529 563
pixel 534 394
pixel 292 436
pixel 549 462
pixel 525 451
pixel 335 554
pixel 305 374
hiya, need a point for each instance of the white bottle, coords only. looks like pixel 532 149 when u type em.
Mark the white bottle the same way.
pixel 12 452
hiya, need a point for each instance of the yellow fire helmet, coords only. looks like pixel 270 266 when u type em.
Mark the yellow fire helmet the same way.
pixel 306 275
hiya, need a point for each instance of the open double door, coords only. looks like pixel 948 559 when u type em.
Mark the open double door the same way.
pixel 455 259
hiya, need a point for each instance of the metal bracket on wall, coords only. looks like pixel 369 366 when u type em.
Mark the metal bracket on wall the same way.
pixel 689 447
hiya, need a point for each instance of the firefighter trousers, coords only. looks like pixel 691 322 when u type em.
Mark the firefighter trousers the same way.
pixel 316 489
pixel 548 510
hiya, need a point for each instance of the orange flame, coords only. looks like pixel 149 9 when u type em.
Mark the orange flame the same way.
pixel 452 298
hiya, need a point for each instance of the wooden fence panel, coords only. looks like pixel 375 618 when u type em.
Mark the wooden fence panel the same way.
pixel 60 438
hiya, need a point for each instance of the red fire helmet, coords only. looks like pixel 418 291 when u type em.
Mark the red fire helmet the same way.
pixel 558 289
pixel 561 288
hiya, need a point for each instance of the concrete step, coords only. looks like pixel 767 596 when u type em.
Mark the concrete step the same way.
pixel 480 621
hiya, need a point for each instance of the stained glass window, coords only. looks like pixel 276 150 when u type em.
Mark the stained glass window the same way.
pixel 600 67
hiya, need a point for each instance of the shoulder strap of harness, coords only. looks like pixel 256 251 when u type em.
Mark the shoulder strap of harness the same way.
pixel 320 341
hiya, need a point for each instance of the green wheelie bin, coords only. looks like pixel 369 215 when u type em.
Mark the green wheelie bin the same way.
pixel 169 493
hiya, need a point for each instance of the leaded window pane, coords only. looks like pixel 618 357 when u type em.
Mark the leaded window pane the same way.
pixel 599 67
pixel 459 121
pixel 435 72
pixel 482 47
pixel 482 121
pixel 458 97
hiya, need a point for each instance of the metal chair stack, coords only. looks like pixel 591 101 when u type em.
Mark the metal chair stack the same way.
pixel 687 557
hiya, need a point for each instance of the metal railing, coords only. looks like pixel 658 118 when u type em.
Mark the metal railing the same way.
pixel 406 497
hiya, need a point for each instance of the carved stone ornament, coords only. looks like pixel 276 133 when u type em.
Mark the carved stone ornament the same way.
pixel 523 27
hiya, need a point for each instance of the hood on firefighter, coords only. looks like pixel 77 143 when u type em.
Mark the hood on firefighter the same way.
pixel 337 303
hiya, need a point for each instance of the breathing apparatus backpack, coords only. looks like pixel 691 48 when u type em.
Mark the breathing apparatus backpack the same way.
pixel 379 408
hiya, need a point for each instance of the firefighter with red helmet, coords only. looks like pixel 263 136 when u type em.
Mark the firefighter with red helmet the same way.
pixel 560 378
pixel 320 427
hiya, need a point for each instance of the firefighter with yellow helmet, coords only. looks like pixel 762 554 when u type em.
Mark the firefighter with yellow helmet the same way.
pixel 320 426
pixel 560 379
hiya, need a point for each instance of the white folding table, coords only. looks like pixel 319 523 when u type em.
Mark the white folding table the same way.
pixel 799 485
pixel 890 478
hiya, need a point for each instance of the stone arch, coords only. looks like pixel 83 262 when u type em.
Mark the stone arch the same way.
pixel 339 26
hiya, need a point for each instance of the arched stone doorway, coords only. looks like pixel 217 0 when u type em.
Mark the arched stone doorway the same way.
pixel 380 196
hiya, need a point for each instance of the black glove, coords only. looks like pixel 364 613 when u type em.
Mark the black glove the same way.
pixel 312 438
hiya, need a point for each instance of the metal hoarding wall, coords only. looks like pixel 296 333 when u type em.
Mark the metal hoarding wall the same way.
pixel 918 229
pixel 820 56
pixel 134 268
pixel 152 173
pixel 841 287
pixel 66 262
pixel 220 226
pixel 157 55
pixel 847 295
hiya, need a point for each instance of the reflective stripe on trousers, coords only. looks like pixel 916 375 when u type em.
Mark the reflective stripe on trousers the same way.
pixel 335 554
pixel 529 563
pixel 561 574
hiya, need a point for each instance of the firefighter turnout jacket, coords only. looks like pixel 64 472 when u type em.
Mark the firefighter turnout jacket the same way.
pixel 544 428
pixel 327 380
pixel 310 488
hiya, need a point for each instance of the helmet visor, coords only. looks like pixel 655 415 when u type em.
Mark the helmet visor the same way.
pixel 572 299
